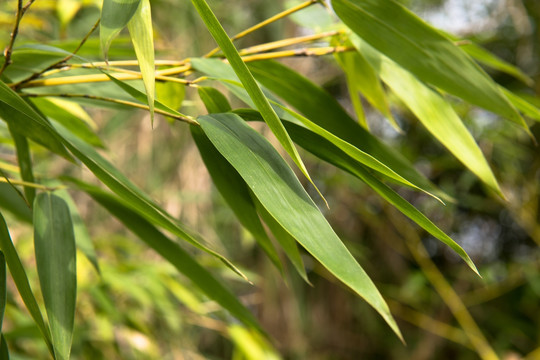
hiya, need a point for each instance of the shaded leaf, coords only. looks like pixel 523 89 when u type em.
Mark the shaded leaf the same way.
pixel 24 159
pixel 22 118
pixel 54 243
pixel 11 201
pixel 279 191
pixel 416 46
pixel 3 288
pixel 172 252
pixel 142 35
pixel 21 281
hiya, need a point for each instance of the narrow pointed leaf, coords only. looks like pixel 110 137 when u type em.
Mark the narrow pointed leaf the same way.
pixel 279 191
pixel 54 243
pixel 322 109
pixel 66 118
pixel 127 191
pixel 172 252
pixel 23 119
pixel 227 180
pixel 115 15
pixel 416 46
pixel 435 113
pixel 251 86
pixel 24 159
pixel 523 105
pixel 329 152
pixel 142 36
pixel 21 281
pixel 3 288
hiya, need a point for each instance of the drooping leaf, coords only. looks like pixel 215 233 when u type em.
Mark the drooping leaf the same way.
pixel 172 252
pixel 24 159
pixel 279 191
pixel 142 35
pixel 409 41
pixel 436 114
pixel 327 151
pixel 115 15
pixel 66 118
pixel 227 180
pixel 137 200
pixel 322 109
pixel 251 86
pixel 26 121
pixel 21 281
pixel 54 243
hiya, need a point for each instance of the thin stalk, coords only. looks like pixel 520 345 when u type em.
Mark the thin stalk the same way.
pixel 181 117
pixel 286 42
pixel 444 289
pixel 268 21
pixel 30 184
pixel 298 53
pixel 18 17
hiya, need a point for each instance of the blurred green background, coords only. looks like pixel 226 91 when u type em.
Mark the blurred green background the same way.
pixel 139 307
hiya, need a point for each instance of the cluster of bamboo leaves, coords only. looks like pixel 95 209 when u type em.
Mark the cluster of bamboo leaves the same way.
pixel 381 46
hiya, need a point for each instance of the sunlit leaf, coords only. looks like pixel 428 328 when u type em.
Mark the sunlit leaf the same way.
pixel 409 41
pixel 115 15
pixel 279 191
pixel 54 243
pixel 436 114
pixel 142 35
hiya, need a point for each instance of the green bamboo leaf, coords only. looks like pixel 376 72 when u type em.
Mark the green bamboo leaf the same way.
pixel 142 35
pixel 23 119
pixel 4 351
pixel 11 201
pixel 172 252
pixel 82 237
pixel 361 77
pixel 227 180
pixel 24 159
pixel 279 191
pixel 322 109
pixel 115 15
pixel 527 108
pixel 436 114
pixel 54 243
pixel 416 46
pixel 66 118
pixel 251 86
pixel 3 288
pixel 137 200
pixel 21 281
pixel 329 152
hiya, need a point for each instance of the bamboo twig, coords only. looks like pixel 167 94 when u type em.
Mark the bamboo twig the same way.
pixel 181 117
pixel 30 184
pixel 268 21
pixel 18 17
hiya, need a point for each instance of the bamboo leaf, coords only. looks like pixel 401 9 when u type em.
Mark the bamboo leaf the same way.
pixel 406 39
pixel 214 100
pixel 279 191
pixel 3 288
pixel 142 36
pixel 54 243
pixel 329 152
pixel 70 121
pixel 115 15
pixel 527 108
pixel 23 119
pixel 21 281
pixel 4 351
pixel 251 86
pixel 322 109
pixel 435 113
pixel 172 252
pixel 24 159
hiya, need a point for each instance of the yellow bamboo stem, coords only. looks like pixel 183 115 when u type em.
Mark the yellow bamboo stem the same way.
pixel 29 184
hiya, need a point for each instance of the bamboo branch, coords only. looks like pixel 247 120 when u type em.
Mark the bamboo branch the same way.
pixel 181 117
pixel 18 17
pixel 266 22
